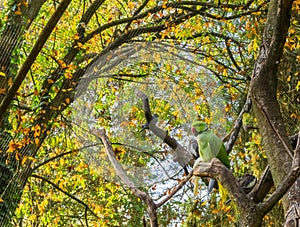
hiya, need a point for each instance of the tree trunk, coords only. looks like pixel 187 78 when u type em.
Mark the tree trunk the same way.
pixel 265 105
pixel 15 27
pixel 14 173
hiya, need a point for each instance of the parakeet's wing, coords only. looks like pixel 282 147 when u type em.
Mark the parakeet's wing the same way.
pixel 205 145
pixel 209 145
pixel 212 146
pixel 223 156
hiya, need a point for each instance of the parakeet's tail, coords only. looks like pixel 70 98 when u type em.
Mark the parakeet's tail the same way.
pixel 212 183
pixel 223 193
pixel 196 180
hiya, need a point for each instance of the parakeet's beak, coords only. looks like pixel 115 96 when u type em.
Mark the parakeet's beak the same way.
pixel 194 131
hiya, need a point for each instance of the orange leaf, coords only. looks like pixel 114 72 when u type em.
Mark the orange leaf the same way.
pixel 50 81
pixel 18 12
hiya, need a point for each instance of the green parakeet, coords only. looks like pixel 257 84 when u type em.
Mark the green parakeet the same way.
pixel 209 146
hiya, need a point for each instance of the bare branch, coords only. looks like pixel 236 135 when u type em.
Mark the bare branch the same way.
pixel 181 155
pixel 176 189
pixel 63 154
pixel 151 206
pixel 237 125
pixel 227 43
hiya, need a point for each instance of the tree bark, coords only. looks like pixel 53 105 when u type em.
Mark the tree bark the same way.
pixel 10 37
pixel 14 175
pixel 266 108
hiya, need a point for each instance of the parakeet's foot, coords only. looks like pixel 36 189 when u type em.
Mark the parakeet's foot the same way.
pixel 196 162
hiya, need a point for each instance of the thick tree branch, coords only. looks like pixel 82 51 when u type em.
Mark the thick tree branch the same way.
pixel 262 187
pixel 181 155
pixel 151 206
pixel 215 169
pixel 286 184
pixel 263 91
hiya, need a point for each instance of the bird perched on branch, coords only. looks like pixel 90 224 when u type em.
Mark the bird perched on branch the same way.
pixel 210 146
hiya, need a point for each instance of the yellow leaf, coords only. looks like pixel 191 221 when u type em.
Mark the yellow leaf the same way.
pixel 24 160
pixel 79 45
pixel 131 5
pixel 2 74
pixel 124 123
pixel 215 211
pixel 62 63
pixel 17 156
pixel 298 86
pixel 67 100
pixel 227 108
pixel 293 115
pixel 204 203
pixel 68 76
pixel 37 141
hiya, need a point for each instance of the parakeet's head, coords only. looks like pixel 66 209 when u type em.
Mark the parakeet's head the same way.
pixel 198 127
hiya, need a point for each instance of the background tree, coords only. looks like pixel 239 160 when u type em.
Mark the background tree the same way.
pixel 50 51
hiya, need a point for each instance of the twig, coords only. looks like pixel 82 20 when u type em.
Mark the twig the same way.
pixel 66 193
pixel 175 190
pixel 238 124
pixel 63 154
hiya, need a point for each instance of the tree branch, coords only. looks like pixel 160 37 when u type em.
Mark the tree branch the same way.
pixel 227 43
pixel 286 184
pixel 63 154
pixel 262 187
pixel 151 206
pixel 175 190
pixel 215 169
pixel 64 192
pixel 237 125
pixel 181 155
